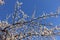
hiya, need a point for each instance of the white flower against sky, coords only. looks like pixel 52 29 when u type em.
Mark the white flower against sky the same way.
pixel 2 2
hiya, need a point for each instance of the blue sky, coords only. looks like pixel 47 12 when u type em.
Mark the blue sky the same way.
pixel 29 6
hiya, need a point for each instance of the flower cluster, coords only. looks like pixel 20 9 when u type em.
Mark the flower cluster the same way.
pixel 22 29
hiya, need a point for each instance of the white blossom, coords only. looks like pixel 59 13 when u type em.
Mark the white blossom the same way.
pixel 2 2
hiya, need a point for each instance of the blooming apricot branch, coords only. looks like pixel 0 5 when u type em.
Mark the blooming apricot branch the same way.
pixel 27 28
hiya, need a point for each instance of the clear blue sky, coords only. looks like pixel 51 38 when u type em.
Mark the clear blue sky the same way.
pixel 28 7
